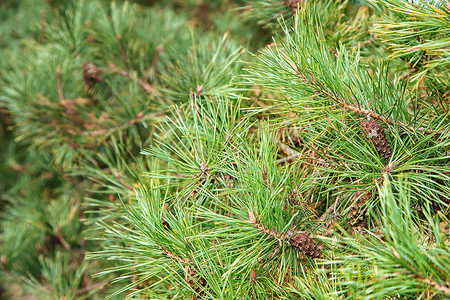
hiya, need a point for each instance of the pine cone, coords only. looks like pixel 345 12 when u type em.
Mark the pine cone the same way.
pixel 356 218
pixel 302 241
pixel 195 280
pixel 376 133
pixel 91 74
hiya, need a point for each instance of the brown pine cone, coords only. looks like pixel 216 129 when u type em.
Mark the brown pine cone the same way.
pixel 91 74
pixel 303 242
pixel 356 218
pixel 195 280
pixel 376 133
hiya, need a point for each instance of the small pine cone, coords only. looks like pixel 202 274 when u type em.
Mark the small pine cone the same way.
pixel 295 140
pixel 302 241
pixel 91 74
pixel 376 133
pixel 195 280
pixel 356 218
pixel 293 197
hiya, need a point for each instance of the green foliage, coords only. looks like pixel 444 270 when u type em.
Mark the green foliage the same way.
pixel 418 33
pixel 62 279
pixel 334 92
pixel 208 69
pixel 413 264
pixel 146 155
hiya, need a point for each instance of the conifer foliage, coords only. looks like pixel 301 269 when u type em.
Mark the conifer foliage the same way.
pixel 261 149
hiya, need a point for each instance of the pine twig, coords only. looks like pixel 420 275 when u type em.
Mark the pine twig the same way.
pixel 119 178
pixel 292 154
pixel 122 50
pixel 331 210
pixel 252 220
pixel 148 88
pixel 176 257
pixel 138 118
pixel 92 287
pixel 61 239
pixel 442 288
pixel 407 74
pixel 59 83
pixel 288 158
pixel 302 241
pixel 151 69
pixel 217 254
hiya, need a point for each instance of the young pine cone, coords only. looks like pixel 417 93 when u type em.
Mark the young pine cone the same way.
pixel 376 133
pixel 91 74
pixel 302 241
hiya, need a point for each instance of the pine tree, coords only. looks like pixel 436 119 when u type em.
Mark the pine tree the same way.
pixel 225 149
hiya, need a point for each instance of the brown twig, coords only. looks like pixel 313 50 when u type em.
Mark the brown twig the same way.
pixel 59 83
pixel 176 257
pixel 150 71
pixel 5 116
pixel 301 241
pixel 407 74
pixel 61 239
pixel 139 117
pixel 69 105
pixel 288 158
pixel 292 154
pixel 252 220
pixel 122 50
pixel 148 88
pixel 119 178
pixel 308 157
pixel 99 285
pixel 442 288
pixel 4 263
pixel 46 101
pixel 202 13
pixel 217 253
pixel 287 150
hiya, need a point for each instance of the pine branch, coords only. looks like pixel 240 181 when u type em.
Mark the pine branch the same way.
pixel 212 209
pixel 289 158
pixel 301 241
pixel 322 89
pixel 252 220
pixel 139 118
